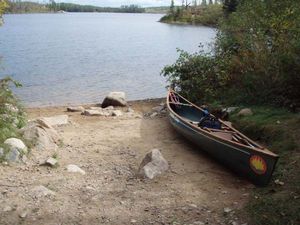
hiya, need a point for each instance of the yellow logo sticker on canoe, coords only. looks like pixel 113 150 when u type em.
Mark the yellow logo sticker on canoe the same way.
pixel 258 164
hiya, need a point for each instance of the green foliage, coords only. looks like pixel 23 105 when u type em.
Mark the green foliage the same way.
pixel 208 15
pixel 256 56
pixel 280 130
pixel 3 6
pixel 12 116
pixel 195 75
pixel 26 7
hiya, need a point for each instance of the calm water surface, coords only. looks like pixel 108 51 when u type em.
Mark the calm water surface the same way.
pixel 78 58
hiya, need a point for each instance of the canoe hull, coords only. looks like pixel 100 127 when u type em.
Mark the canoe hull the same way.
pixel 256 166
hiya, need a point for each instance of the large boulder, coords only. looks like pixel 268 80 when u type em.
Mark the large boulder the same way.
pixel 42 134
pixel 57 120
pixel 153 164
pixel 114 99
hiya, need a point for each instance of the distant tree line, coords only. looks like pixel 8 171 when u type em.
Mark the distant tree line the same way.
pixel 18 6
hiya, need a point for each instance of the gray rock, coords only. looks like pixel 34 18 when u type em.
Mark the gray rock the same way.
pixel 41 191
pixel 153 115
pixel 75 109
pixel 51 162
pixel 153 164
pixel 130 110
pixel 114 99
pixel 75 169
pixel 278 182
pixel 7 208
pixel 117 113
pixel 13 155
pixel 198 223
pixel 109 108
pixel 230 109
pixel 227 210
pixel 94 112
pixel 57 120
pixel 245 112
pixel 23 215
pixel 1 152
pixel 158 109
pixel 15 143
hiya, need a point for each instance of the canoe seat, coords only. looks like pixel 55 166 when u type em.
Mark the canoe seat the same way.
pixel 225 135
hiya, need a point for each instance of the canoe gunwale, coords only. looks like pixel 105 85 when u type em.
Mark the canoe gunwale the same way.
pixel 224 141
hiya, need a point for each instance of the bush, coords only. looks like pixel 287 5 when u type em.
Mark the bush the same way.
pixel 12 116
pixel 256 57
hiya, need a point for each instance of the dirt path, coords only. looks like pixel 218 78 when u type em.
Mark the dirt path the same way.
pixel 195 190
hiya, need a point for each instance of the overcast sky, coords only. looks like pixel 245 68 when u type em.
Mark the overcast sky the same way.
pixel 117 3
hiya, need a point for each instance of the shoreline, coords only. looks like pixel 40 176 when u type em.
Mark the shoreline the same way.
pixel 129 103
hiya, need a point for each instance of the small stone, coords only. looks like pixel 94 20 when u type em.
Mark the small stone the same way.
pixel 109 108
pixel 198 223
pixel 1 152
pixel 130 110
pixel 75 169
pixel 227 210
pixel 57 120
pixel 7 208
pixel 93 112
pixel 158 109
pixel 245 112
pixel 23 215
pixel 51 162
pixel 117 113
pixel 133 221
pixel 153 115
pixel 278 182
pixel 193 205
pixel 41 191
pixel 75 109
pixel 230 109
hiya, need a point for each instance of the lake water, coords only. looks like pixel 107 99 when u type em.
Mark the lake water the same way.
pixel 76 58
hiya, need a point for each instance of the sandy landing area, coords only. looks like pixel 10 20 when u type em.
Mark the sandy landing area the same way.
pixel 195 190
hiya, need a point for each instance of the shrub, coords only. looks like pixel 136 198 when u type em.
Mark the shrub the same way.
pixel 12 116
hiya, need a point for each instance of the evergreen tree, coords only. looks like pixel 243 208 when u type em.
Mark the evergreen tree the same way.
pixel 172 7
